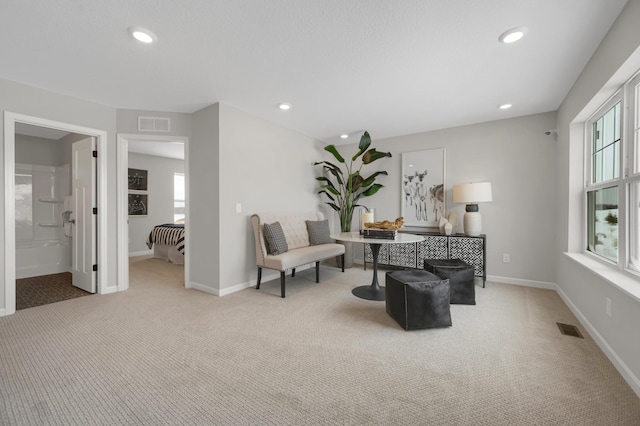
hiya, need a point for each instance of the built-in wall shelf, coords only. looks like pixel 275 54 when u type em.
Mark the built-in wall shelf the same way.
pixel 49 225
pixel 50 200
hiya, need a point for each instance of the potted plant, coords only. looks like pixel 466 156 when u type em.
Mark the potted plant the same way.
pixel 344 185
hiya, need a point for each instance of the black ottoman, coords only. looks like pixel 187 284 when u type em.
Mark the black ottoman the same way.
pixel 417 299
pixel 461 277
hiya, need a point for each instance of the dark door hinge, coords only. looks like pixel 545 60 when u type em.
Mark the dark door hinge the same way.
pixel 95 268
pixel 95 210
pixel 95 154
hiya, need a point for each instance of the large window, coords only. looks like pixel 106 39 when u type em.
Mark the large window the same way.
pixel 178 198
pixel 612 188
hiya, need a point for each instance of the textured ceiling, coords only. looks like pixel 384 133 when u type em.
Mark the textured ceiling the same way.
pixel 392 67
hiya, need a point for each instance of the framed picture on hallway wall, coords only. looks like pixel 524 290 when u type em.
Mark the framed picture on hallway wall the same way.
pixel 137 180
pixel 422 187
pixel 138 204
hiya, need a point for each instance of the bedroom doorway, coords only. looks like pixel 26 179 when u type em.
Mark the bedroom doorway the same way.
pixel 149 170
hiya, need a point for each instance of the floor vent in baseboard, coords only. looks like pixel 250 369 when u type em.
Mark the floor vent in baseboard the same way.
pixel 569 330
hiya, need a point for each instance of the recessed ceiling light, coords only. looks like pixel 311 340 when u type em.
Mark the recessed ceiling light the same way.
pixel 512 35
pixel 345 136
pixel 142 34
pixel 505 106
pixel 284 106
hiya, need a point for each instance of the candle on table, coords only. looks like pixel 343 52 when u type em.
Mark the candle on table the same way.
pixel 367 218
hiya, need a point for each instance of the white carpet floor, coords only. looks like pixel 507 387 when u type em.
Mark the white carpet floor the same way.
pixel 161 354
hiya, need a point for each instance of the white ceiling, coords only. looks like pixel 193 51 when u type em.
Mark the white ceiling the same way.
pixel 392 67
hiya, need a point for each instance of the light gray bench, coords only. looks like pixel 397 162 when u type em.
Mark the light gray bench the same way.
pixel 300 251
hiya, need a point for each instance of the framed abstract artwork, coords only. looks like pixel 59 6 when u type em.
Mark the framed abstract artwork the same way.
pixel 138 204
pixel 137 180
pixel 423 196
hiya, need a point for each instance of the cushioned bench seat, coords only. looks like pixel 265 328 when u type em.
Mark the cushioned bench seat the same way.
pixel 302 256
pixel 298 248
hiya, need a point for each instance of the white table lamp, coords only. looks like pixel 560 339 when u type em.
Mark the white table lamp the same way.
pixel 471 194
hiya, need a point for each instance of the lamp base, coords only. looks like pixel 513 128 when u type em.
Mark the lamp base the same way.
pixel 472 224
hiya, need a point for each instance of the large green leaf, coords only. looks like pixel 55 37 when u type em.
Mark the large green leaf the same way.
pixel 325 179
pixel 327 164
pixel 355 181
pixel 337 173
pixel 333 206
pixel 373 155
pixel 368 181
pixel 331 189
pixel 372 190
pixel 333 169
pixel 327 194
pixel 365 141
pixel 332 149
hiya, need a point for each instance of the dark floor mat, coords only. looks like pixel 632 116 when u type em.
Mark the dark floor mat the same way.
pixel 45 289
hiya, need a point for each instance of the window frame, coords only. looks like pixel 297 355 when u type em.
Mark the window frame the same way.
pixel 631 132
pixel 590 186
pixel 629 173
pixel 174 195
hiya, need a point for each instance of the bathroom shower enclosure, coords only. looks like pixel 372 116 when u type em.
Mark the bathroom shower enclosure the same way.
pixel 55 217
pixel 41 246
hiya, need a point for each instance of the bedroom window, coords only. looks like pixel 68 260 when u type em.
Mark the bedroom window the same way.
pixel 612 190
pixel 178 198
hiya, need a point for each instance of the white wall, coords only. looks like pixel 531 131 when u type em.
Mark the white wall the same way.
pixel 238 158
pixel 160 183
pixel 45 152
pixel 265 168
pixel 518 159
pixel 22 99
pixel 204 191
pixel 614 61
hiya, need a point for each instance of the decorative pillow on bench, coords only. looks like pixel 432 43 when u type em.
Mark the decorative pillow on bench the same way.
pixel 318 232
pixel 274 236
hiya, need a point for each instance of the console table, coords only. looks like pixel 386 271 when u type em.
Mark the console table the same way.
pixel 472 250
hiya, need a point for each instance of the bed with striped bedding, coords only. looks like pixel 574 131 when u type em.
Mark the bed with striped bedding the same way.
pixel 168 234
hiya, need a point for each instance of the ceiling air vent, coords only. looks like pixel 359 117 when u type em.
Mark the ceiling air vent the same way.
pixel 154 124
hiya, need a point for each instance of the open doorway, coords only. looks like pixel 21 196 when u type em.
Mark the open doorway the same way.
pixel 39 177
pixel 153 211
pixel 45 216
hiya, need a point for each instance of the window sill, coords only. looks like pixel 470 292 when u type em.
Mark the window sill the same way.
pixel 625 282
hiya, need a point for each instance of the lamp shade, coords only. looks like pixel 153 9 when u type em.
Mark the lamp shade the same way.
pixel 472 193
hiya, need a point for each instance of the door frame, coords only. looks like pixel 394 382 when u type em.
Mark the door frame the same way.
pixel 10 119
pixel 122 191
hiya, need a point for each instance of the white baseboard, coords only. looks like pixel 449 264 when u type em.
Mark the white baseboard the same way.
pixel 241 286
pixel 201 287
pixel 518 281
pixel 237 287
pixel 140 253
pixel 216 292
pixel 618 363
pixel 108 290
pixel 3 312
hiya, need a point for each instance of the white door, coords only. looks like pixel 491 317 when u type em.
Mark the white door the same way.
pixel 84 200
